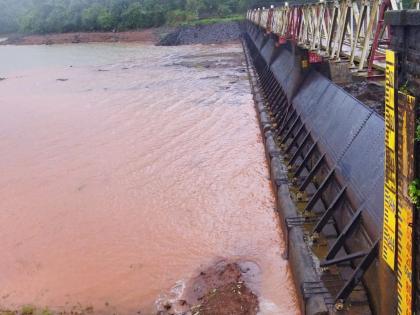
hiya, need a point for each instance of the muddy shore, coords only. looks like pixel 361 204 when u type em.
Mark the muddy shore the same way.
pixel 221 289
pixel 165 36
pixel 147 36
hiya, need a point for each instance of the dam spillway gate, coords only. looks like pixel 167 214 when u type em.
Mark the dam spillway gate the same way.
pixel 327 152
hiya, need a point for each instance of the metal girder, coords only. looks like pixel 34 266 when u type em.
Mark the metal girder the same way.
pixel 329 212
pixel 300 148
pixel 286 121
pixel 333 27
pixel 343 20
pixel 306 159
pixel 380 30
pixel 290 130
pixel 295 138
pixel 312 173
pixel 361 16
pixel 358 273
pixel 349 28
pixel 340 260
pixel 348 230
pixel 367 39
pixel 320 190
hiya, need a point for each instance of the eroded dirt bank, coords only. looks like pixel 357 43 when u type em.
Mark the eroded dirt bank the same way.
pixel 145 36
pixel 224 32
pixel 126 171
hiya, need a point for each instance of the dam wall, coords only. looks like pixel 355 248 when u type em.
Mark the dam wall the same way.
pixel 331 148
pixel 344 165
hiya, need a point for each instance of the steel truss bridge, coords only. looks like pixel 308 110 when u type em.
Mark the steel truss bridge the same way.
pixel 342 30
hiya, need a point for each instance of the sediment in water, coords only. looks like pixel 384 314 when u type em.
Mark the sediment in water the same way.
pixel 129 179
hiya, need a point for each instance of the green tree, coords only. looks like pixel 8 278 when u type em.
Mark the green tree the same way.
pixel 54 20
pixel 176 17
pixel 195 6
pixel 90 17
pixel 46 16
pixel 132 17
pixel 106 20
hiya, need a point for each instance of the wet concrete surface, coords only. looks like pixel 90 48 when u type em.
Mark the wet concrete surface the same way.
pixel 126 171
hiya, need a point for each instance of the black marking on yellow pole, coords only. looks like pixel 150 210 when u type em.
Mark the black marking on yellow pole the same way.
pixel 406 134
pixel 390 184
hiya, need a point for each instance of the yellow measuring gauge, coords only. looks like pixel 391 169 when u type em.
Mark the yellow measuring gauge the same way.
pixel 390 180
pixel 405 132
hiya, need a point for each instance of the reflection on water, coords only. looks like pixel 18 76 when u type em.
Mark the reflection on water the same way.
pixel 125 169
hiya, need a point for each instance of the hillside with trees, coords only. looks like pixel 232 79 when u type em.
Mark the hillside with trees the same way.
pixel 57 16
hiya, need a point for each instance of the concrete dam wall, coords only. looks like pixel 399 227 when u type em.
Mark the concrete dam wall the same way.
pixel 326 151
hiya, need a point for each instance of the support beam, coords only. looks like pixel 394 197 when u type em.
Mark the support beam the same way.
pixel 295 138
pixel 287 121
pixel 358 273
pixel 340 260
pixel 329 212
pixel 290 131
pixel 339 242
pixel 319 191
pixel 300 148
pixel 306 159
pixel 312 173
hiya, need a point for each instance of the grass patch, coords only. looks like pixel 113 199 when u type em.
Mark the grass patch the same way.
pixel 28 310
pixel 215 20
pixel 46 311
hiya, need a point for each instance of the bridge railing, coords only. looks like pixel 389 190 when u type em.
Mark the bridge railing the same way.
pixel 353 30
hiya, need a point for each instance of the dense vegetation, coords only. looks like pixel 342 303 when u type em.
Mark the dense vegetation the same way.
pixel 56 16
pixel 47 16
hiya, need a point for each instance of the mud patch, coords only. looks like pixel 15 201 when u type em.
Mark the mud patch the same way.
pixel 372 94
pixel 219 290
pixel 211 61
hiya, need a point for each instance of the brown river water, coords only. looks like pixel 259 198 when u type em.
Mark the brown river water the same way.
pixel 125 169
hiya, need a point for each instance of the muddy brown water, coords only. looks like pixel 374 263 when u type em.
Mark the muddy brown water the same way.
pixel 125 169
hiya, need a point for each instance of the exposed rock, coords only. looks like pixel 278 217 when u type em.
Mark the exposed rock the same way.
pixel 203 34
